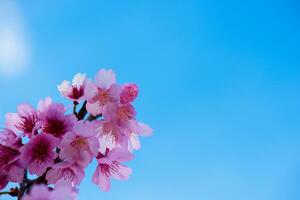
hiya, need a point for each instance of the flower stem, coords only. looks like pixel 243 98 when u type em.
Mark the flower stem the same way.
pixel 3 193
pixel 82 112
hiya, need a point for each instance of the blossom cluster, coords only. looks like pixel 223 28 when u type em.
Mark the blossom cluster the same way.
pixel 55 146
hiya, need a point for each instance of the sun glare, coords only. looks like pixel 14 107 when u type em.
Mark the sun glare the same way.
pixel 14 52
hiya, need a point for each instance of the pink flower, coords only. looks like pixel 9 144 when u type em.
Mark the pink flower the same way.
pixel 54 121
pixel 111 135
pixel 74 91
pixel 109 165
pixel 116 130
pixel 102 92
pixel 80 145
pixel 42 192
pixel 129 93
pixel 38 154
pixel 10 164
pixel 10 139
pixel 65 171
pixel 25 120
pixel 119 113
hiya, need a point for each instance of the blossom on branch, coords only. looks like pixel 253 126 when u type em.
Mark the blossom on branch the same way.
pixel 56 145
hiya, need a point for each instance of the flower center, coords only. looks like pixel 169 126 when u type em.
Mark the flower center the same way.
pixel 40 151
pixel 103 96
pixel 126 113
pixel 80 143
pixel 77 92
pixel 54 127
pixel 27 123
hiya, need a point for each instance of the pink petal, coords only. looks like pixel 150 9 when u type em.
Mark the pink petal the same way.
pixel 91 90
pixel 12 120
pixel 120 154
pixel 65 88
pixel 123 173
pixel 94 108
pixel 79 80
pixel 16 173
pixel 105 78
pixel 25 109
pixel 101 180
pixel 84 158
pixel 135 143
pixel 144 129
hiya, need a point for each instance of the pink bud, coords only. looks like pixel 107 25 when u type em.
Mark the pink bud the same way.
pixel 129 93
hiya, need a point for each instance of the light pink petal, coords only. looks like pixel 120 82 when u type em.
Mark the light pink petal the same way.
pixel 94 145
pixel 68 153
pixel 39 192
pixel 79 80
pixel 135 143
pixel 105 160
pixel 101 180
pixel 106 141
pixel 67 139
pixel 114 92
pixel 96 176
pixel 144 129
pixel 65 88
pixel 84 128
pixel 79 172
pixel 62 191
pixel 91 90
pixel 84 158
pixel 105 78
pixel 94 108
pixel 120 154
pixel 123 173
pixel 53 175
pixel 44 104
pixel 25 109
pixel 12 120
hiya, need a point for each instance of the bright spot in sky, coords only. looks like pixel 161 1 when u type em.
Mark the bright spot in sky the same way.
pixel 14 51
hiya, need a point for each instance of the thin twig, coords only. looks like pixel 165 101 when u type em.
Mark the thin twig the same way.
pixel 75 107
pixel 3 193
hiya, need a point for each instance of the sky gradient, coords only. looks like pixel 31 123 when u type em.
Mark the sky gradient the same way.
pixel 219 84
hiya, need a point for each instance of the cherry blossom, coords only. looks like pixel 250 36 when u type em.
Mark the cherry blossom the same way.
pixel 80 145
pixel 54 121
pixel 68 172
pixel 25 120
pixel 102 92
pixel 74 91
pixel 129 93
pixel 55 144
pixel 110 165
pixel 39 153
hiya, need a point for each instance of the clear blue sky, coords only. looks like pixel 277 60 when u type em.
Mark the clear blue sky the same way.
pixel 219 83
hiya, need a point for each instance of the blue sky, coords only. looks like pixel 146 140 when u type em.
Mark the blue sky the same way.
pixel 219 83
